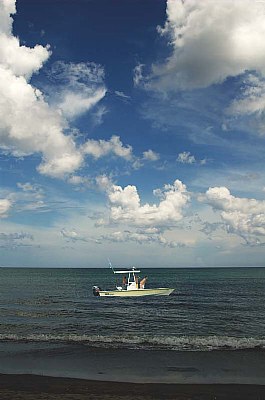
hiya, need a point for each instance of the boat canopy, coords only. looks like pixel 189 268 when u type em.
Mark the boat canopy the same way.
pixel 127 271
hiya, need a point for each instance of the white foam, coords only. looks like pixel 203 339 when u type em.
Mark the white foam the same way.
pixel 180 343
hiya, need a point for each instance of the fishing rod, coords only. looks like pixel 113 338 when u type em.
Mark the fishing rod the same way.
pixel 110 265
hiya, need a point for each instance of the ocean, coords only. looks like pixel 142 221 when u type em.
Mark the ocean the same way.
pixel 53 311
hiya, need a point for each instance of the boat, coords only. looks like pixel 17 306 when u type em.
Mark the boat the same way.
pixel 131 286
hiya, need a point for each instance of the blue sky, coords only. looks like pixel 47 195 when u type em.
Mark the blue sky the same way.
pixel 132 130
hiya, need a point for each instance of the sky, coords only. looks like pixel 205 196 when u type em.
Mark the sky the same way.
pixel 132 130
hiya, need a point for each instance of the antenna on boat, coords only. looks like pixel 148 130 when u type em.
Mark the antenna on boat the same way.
pixel 110 265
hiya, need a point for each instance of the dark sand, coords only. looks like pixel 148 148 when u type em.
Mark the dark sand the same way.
pixel 80 373
pixel 34 387
pixel 121 365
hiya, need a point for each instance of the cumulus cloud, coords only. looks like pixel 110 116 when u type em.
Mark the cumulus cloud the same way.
pixel 104 182
pixel 187 158
pixel 100 148
pixel 20 60
pixel 150 155
pixel 5 206
pixel 125 206
pixel 242 216
pixel 210 41
pixel 72 235
pixel 7 7
pixel 28 124
pixel 148 223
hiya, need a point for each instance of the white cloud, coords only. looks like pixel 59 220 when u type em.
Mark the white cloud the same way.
pixel 26 187
pixel 34 191
pixel 28 124
pixel 15 236
pixel 138 74
pixel 15 240
pixel 242 216
pixel 150 155
pixel 125 206
pixel 98 114
pixel 142 237
pixel 77 75
pixel 186 158
pixel 5 206
pixel 79 87
pixel 250 103
pixel 137 164
pixel 100 148
pixel 149 222
pixel 210 40
pixel 38 206
pixel 252 99
pixel 122 95
pixel 208 228
pixel 20 60
pixel 78 180
pixel 104 183
pixel 29 198
pixel 72 235
pixel 7 7
pixel 74 104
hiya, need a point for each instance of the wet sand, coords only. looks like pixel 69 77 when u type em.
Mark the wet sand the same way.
pixel 121 365
pixel 34 387
pixel 59 372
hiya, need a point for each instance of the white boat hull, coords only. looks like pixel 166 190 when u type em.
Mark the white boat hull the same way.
pixel 136 293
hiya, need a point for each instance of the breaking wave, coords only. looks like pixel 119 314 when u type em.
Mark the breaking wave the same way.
pixel 178 343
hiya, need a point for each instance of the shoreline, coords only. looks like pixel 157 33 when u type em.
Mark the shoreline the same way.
pixel 123 365
pixel 34 387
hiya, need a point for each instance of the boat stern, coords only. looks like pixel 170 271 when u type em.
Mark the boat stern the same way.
pixel 96 290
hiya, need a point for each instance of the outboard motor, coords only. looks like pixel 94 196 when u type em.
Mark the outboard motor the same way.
pixel 96 290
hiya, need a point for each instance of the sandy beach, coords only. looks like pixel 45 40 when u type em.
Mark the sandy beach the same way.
pixel 80 373
pixel 34 387
pixel 124 365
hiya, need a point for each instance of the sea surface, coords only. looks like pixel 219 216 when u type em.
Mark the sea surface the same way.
pixel 211 309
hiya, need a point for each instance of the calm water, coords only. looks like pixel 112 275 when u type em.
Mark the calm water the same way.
pixel 210 309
